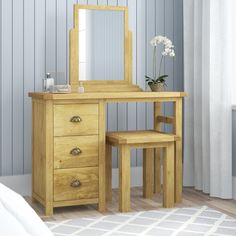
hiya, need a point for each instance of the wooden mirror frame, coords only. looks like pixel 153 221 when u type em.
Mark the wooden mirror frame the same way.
pixel 101 85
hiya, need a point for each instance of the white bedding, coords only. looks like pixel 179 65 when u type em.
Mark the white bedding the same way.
pixel 17 218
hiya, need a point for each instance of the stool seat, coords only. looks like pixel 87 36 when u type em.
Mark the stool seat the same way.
pixel 139 137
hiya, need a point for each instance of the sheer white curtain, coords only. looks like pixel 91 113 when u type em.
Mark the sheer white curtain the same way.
pixel 208 43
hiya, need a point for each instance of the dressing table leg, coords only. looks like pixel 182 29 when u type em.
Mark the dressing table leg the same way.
pixel 148 172
pixel 49 159
pixel 102 161
pixel 124 178
pixel 168 174
pixel 108 172
pixel 178 172
pixel 157 155
pixel 178 151
pixel 48 209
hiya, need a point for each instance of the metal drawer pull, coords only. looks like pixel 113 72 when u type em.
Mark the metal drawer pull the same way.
pixel 75 151
pixel 76 119
pixel 75 183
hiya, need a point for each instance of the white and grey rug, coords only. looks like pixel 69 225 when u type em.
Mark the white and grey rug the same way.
pixel 163 222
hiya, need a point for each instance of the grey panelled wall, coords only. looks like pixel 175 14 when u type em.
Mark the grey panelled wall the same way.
pixel 0 86
pixel 234 142
pixel 34 40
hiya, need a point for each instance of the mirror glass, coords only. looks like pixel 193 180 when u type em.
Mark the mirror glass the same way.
pixel 101 44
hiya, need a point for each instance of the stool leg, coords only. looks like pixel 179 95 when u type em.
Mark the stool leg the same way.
pixel 168 172
pixel 108 172
pixel 157 171
pixel 124 178
pixel 148 172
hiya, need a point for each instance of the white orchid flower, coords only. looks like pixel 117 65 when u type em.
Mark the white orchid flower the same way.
pixel 164 53
pixel 168 51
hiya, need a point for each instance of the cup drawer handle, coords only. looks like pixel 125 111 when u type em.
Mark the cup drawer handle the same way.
pixel 75 183
pixel 75 151
pixel 75 119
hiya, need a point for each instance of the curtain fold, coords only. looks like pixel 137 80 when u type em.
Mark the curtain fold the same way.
pixel 208 73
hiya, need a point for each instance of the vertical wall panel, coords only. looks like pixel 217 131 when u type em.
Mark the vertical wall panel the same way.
pixel 40 43
pixel 122 3
pixel 61 37
pixel 0 88
pixel 35 39
pixel 82 1
pixel 234 141
pixel 169 62
pixel 160 30
pixel 93 2
pixel 51 39
pixel 29 48
pixel 132 107
pixel 69 26
pixel 178 42
pixel 169 32
pixel 17 87
pixel 160 24
pixel 141 67
pixel 112 122
pixel 122 107
pixel 150 33
pixel 102 2
pixel 113 2
pixel 6 93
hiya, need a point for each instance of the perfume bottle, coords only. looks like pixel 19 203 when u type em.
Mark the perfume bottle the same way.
pixel 48 83
pixel 81 88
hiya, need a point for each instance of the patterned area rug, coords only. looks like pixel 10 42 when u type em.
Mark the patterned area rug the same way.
pixel 163 222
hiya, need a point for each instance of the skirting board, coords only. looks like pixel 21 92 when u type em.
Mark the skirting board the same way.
pixel 22 183
pixel 19 183
pixel 234 187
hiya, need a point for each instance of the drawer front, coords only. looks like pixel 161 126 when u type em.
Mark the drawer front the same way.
pixel 75 184
pixel 75 151
pixel 75 119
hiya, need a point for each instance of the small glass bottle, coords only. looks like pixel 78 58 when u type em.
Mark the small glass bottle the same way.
pixel 81 88
pixel 48 83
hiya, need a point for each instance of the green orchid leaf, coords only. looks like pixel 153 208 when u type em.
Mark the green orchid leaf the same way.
pixel 162 77
pixel 147 77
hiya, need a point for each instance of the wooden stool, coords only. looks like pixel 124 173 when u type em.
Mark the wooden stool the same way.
pixel 149 140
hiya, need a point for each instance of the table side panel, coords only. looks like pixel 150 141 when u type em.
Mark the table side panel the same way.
pixel 38 148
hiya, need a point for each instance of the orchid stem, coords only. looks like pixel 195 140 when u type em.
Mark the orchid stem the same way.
pixel 160 65
pixel 154 62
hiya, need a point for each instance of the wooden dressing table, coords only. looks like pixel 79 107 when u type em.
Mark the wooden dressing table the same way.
pixel 69 145
pixel 68 166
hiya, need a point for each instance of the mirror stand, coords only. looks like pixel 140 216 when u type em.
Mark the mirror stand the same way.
pixel 109 85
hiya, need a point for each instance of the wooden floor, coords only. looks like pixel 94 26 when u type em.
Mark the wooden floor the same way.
pixel 191 198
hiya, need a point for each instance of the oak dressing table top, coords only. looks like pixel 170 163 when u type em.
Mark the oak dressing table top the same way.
pixel 109 96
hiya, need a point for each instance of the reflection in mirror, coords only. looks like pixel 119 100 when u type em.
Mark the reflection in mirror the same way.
pixel 101 44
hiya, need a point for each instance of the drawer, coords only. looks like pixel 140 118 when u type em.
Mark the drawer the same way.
pixel 75 119
pixel 75 151
pixel 75 184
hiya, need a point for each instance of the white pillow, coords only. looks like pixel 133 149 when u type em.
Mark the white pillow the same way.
pixel 24 214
